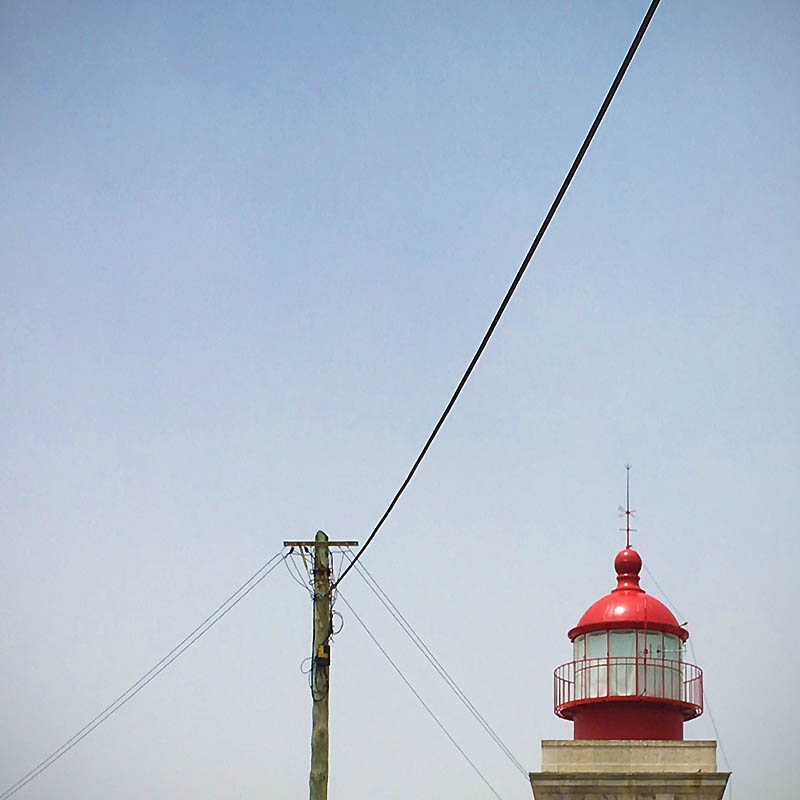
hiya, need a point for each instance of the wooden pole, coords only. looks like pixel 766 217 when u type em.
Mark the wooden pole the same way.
pixel 320 670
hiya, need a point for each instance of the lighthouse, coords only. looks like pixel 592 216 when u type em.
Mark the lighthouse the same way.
pixel 628 690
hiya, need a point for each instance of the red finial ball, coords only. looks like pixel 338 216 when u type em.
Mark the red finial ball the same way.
pixel 628 562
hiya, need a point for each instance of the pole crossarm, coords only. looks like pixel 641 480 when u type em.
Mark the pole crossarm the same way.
pixel 319 544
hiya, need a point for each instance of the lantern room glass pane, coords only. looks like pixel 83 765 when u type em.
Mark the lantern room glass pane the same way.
pixel 596 665
pixel 597 645
pixel 622 643
pixel 672 671
pixel 622 663
pixel 654 664
pixel 579 654
pixel 672 647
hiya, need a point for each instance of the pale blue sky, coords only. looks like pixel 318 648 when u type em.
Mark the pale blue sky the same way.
pixel 247 251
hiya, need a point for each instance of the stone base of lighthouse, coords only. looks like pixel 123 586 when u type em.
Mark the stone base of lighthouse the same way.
pixel 628 770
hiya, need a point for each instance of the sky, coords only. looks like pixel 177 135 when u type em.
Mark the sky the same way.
pixel 247 250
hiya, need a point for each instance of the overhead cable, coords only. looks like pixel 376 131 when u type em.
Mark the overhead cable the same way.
pixel 296 575
pixel 408 629
pixel 422 702
pixel 706 704
pixel 212 619
pixel 518 277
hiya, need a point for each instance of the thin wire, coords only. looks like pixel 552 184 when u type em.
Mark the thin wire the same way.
pixel 296 576
pixel 304 574
pixel 665 595
pixel 437 665
pixel 408 629
pixel 341 627
pixel 706 704
pixel 417 695
pixel 520 272
pixel 206 625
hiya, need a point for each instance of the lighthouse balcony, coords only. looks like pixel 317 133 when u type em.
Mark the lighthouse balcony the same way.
pixel 638 679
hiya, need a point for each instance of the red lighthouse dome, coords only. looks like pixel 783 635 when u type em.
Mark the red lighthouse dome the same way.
pixel 628 678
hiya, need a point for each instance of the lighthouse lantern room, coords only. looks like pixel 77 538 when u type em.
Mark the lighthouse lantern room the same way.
pixel 628 678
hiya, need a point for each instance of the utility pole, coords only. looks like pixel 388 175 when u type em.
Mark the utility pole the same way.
pixel 320 658
pixel 320 669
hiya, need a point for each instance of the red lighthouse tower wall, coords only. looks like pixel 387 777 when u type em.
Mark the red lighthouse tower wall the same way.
pixel 630 720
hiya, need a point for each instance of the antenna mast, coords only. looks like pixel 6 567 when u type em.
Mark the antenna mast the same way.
pixel 627 505
pixel 628 511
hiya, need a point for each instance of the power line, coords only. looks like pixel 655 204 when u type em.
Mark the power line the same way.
pixel 435 663
pixel 296 576
pixel 206 625
pixel 417 695
pixel 716 732
pixel 706 704
pixel 663 593
pixel 408 629
pixel 520 272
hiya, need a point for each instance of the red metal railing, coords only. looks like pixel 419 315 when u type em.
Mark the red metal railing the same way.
pixel 629 677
